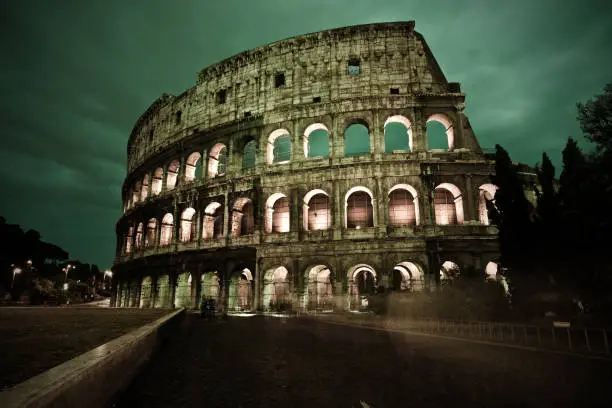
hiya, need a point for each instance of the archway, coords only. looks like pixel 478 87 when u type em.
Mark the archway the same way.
pixel 318 291
pixel 212 225
pixel 440 134
pixel 486 194
pixel 398 134
pixel 277 213
pixel 162 292
pixel 249 155
pixel 192 164
pixel 166 230
pixel 316 141
pixel 403 206
pixel 145 292
pixel 407 276
pixel 182 297
pixel 243 221
pixel 144 192
pixel 276 292
pixel 241 291
pixel 448 204
pixel 187 232
pixel 138 240
pixel 172 175
pixel 449 271
pixel 356 140
pixel 151 236
pixel 316 210
pixel 361 284
pixel 157 181
pixel 279 147
pixel 358 208
pixel 217 161
pixel 210 286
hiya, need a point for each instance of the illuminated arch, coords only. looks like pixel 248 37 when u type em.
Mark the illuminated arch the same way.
pixel 243 221
pixel 249 155
pixel 241 291
pixel 361 282
pixel 191 164
pixel 182 296
pixel 448 125
pixel 449 271
pixel 400 213
pixel 318 290
pixel 172 174
pixel 144 192
pixel 187 232
pixel 407 276
pixel 146 292
pixel 401 120
pixel 486 192
pixel 273 144
pixel 136 193
pixel 151 235
pixel 277 213
pixel 165 237
pixel 319 216
pixel 448 204
pixel 212 226
pixel 157 181
pixel 491 270
pixel 138 239
pixel 275 287
pixel 217 160
pixel 312 128
pixel 128 240
pixel 360 217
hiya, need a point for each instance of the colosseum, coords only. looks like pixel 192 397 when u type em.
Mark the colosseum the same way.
pixel 305 174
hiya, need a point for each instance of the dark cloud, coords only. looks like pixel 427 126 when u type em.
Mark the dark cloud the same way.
pixel 74 78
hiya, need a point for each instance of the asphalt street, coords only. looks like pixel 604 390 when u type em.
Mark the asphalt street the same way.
pixel 258 362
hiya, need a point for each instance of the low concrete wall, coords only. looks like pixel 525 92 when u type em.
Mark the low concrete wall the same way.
pixel 93 378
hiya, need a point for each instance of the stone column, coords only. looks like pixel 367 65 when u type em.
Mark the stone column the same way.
pixel 297 150
pixel 164 177
pixel 377 136
pixel 257 294
pixel 337 211
pixel 204 166
pixel 469 209
pixel 180 178
pixel 295 212
pixel 419 132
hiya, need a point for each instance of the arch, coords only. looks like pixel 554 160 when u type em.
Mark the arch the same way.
pixel 403 206
pixel 398 133
pixel 128 240
pixel 217 161
pixel 138 240
pixel 157 181
pixel 316 135
pixel 279 147
pixel 210 286
pixel 449 271
pixel 172 174
pixel 448 126
pixel 277 213
pixel 357 139
pixel 243 221
pixel 276 288
pixel 144 192
pixel 165 237
pixel 136 193
pixel 316 210
pixel 407 276
pixel 486 193
pixel 448 204
pixel 151 235
pixel 241 291
pixel 187 233
pixel 491 270
pixel 182 294
pixel 361 282
pixel 191 166
pixel 358 210
pixel 212 226
pixel 318 290
pixel 249 155
pixel 162 297
pixel 146 286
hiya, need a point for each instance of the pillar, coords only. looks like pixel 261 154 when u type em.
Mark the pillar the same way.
pixel 257 294
pixel 470 212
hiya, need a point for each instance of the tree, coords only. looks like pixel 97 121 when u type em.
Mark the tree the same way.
pixel 595 117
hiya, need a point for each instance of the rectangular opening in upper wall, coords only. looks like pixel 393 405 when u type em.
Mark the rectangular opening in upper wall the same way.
pixel 394 91
pixel 316 99
pixel 247 114
pixel 221 96
pixel 354 66
pixel 279 79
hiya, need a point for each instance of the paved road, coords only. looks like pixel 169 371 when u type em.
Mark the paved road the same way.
pixel 254 362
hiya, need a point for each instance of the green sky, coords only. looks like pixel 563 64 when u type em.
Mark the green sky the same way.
pixel 75 76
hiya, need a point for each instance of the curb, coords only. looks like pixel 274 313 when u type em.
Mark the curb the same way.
pixel 93 378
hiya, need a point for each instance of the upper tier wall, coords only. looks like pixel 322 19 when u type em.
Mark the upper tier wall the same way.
pixel 391 55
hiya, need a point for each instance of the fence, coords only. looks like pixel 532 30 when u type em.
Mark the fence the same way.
pixel 556 337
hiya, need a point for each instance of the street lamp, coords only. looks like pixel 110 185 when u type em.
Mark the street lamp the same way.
pixel 66 270
pixel 16 270
pixel 108 273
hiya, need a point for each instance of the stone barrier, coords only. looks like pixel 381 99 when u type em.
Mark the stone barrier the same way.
pixel 92 379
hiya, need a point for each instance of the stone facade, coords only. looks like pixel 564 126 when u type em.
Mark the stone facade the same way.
pixel 214 206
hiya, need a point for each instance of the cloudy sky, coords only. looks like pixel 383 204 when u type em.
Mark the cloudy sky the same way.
pixel 75 76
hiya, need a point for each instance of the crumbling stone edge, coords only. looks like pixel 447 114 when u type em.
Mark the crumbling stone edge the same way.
pixel 92 379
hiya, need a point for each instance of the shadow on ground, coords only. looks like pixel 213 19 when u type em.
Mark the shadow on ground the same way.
pixel 258 362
